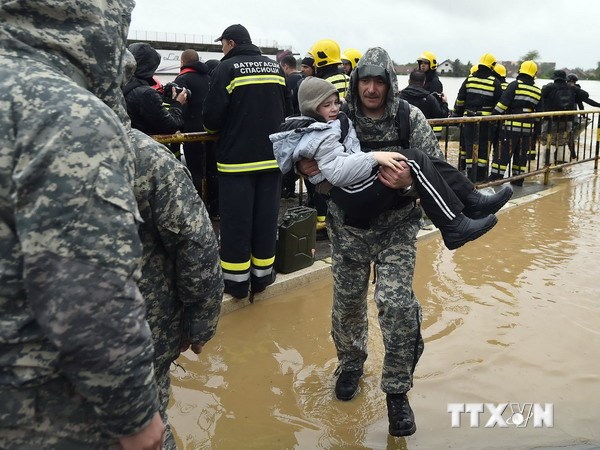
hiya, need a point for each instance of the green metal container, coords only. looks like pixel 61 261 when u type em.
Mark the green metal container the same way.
pixel 296 239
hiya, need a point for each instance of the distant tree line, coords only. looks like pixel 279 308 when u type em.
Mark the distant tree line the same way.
pixel 545 69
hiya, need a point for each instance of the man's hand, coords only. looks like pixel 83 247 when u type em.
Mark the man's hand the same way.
pixel 149 438
pixel 395 178
pixel 184 344
pixel 308 167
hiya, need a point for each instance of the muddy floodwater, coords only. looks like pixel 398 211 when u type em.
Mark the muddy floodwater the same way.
pixel 512 318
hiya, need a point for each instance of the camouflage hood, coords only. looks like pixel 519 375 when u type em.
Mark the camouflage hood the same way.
pixel 84 39
pixel 379 59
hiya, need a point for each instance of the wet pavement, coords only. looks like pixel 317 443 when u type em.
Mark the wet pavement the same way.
pixel 510 318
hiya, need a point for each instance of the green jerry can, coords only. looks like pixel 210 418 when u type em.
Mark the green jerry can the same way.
pixel 296 239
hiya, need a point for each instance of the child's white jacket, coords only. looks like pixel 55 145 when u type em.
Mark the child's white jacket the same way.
pixel 340 164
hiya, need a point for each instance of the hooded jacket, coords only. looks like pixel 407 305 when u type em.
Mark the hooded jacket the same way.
pixel 382 134
pixel 196 78
pixel 246 103
pixel 340 164
pixel 144 104
pixel 71 311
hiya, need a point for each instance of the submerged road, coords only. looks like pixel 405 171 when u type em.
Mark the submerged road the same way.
pixel 512 318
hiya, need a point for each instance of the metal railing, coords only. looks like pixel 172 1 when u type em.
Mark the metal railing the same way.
pixel 584 139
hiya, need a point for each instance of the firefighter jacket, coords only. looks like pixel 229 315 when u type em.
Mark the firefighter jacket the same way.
pixel 478 94
pixel 335 76
pixel 246 102
pixel 521 96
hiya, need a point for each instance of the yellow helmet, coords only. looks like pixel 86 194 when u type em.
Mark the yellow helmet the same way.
pixel 487 60
pixel 473 69
pixel 352 56
pixel 500 69
pixel 430 58
pixel 326 52
pixel 528 68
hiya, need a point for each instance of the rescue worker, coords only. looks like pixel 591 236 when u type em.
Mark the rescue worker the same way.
pixel 328 67
pixel 75 348
pixel 477 96
pixel 350 58
pixel 517 136
pixel 388 240
pixel 500 73
pixel 246 103
pixel 427 62
pixel 327 64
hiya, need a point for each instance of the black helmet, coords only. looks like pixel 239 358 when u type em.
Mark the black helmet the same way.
pixel 572 77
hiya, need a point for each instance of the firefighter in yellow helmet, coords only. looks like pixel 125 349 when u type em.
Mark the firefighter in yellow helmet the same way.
pixel 500 72
pixel 349 59
pixel 328 63
pixel 427 62
pixel 477 95
pixel 517 136
pixel 328 66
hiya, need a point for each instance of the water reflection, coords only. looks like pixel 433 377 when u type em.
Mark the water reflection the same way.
pixel 512 317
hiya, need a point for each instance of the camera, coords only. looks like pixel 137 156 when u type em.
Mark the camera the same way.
pixel 168 92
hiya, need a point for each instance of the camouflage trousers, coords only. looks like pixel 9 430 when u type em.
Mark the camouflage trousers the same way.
pixel 390 243
pixel 50 416
pixel 163 381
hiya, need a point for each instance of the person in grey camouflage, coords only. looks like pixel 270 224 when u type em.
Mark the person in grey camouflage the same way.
pixel 182 281
pixel 75 350
pixel 388 240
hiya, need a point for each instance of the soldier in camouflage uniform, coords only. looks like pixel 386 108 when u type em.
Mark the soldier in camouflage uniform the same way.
pixel 182 281
pixel 389 241
pixel 75 350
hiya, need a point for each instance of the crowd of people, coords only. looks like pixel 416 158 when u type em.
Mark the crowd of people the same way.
pixel 111 266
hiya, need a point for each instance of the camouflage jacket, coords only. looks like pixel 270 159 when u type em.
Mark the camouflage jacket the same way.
pixel 69 252
pixel 182 281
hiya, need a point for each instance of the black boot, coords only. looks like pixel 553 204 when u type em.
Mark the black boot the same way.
pixel 478 205
pixel 346 385
pixel 462 230
pixel 400 415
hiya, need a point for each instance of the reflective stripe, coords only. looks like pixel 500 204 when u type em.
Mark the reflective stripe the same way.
pixel 261 272
pixel 256 262
pixel 238 278
pixel 435 195
pixel 512 123
pixel 254 79
pixel 235 267
pixel 341 82
pixel 247 167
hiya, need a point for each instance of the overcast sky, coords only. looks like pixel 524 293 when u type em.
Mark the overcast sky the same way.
pixel 561 31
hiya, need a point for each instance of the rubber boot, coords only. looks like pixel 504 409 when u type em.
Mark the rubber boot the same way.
pixel 400 415
pixel 478 205
pixel 462 230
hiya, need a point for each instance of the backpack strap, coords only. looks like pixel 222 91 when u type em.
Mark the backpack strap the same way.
pixel 402 121
pixel 344 125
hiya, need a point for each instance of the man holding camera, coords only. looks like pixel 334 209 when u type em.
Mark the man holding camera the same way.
pixel 145 105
